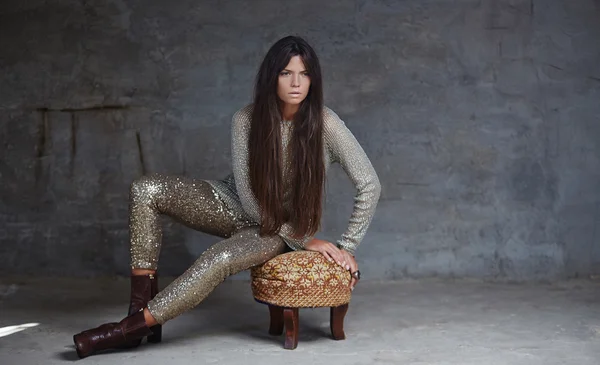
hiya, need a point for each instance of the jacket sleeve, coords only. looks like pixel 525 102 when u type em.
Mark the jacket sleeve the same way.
pixel 346 150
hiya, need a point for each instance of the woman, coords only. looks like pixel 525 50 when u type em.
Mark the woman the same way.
pixel 282 147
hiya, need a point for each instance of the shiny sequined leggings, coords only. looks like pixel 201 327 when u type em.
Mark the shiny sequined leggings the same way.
pixel 195 204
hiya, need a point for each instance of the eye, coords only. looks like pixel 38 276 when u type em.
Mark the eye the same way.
pixel 284 73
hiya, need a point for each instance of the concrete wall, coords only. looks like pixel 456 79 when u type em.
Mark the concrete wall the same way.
pixel 482 119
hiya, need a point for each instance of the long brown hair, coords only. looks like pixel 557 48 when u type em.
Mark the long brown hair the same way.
pixel 305 147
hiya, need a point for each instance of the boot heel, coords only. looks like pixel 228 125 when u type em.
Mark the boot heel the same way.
pixel 156 335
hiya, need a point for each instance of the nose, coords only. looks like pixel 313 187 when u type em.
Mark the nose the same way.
pixel 296 80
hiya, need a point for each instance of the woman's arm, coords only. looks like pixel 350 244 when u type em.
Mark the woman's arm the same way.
pixel 346 150
pixel 240 133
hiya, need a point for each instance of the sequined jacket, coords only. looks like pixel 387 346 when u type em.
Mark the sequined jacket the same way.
pixel 340 145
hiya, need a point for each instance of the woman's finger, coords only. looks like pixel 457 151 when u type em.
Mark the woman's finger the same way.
pixel 352 268
pixel 344 259
pixel 350 262
pixel 327 256
pixel 339 256
pixel 331 252
pixel 331 249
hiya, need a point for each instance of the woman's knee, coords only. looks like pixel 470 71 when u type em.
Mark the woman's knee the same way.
pixel 240 252
pixel 217 263
pixel 145 187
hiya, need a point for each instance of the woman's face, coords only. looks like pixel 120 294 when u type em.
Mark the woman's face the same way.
pixel 294 82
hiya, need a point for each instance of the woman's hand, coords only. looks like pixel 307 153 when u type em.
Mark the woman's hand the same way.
pixel 328 249
pixel 352 266
pixel 334 254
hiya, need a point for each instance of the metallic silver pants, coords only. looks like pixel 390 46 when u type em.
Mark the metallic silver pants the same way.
pixel 195 204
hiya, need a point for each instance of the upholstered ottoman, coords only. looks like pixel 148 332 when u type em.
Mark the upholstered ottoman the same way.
pixel 301 279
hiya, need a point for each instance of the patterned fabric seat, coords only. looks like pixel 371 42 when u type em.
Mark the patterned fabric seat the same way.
pixel 301 279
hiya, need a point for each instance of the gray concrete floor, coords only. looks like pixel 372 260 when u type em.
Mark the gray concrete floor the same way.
pixel 409 322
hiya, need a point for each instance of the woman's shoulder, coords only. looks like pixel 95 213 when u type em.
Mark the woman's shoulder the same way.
pixel 331 119
pixel 243 114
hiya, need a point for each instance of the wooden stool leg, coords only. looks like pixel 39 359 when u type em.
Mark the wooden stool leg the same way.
pixel 290 317
pixel 276 327
pixel 336 321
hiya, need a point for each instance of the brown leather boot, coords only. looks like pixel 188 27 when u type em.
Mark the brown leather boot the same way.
pixel 156 337
pixel 111 335
pixel 143 289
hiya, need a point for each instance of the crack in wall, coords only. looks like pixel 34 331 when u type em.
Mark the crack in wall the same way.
pixel 74 127
pixel 140 152
pixel 41 145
